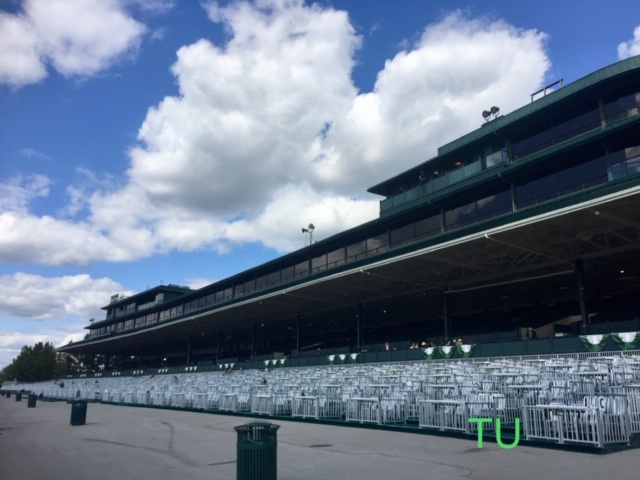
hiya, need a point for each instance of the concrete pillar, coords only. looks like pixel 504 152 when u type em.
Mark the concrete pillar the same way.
pixel 446 313
pixel 359 323
pixel 582 296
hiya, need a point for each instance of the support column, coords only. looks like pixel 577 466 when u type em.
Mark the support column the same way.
pixel 253 340
pixel 447 315
pixel 298 323
pixel 582 296
pixel 218 349
pixel 188 352
pixel 359 321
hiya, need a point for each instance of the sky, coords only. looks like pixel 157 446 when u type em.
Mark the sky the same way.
pixel 147 142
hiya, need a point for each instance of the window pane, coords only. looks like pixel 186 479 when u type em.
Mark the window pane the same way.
pixel 319 263
pixel 335 258
pixel 460 216
pixel 261 282
pixel 402 235
pixel 576 125
pixel 356 251
pixel 273 278
pixel 302 269
pixel 377 244
pixel 532 143
pixel 584 175
pixel 428 227
pixel 494 205
pixel 287 273
pixel 537 191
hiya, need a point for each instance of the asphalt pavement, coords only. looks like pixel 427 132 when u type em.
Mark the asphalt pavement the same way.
pixel 128 443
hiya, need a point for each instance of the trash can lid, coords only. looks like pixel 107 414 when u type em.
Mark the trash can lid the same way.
pixel 258 425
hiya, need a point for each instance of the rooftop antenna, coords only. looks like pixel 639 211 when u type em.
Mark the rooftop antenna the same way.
pixel 309 230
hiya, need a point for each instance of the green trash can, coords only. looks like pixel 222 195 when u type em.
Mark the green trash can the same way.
pixel 31 401
pixel 78 412
pixel 18 396
pixel 257 451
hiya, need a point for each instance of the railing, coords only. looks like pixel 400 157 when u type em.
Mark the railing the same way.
pixel 438 183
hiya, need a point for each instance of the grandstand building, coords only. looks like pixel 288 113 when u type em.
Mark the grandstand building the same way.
pixel 532 220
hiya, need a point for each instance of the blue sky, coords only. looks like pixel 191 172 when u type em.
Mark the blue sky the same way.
pixel 156 141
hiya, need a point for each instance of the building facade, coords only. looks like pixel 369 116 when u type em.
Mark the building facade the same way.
pixel 533 219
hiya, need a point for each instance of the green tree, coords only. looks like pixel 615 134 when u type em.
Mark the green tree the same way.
pixel 35 364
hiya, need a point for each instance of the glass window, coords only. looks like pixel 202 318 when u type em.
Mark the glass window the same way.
pixel 377 244
pixel 496 158
pixel 428 227
pixel 287 273
pixel 623 107
pixel 261 282
pixel 576 125
pixel 460 216
pixel 494 205
pixel 537 191
pixel 249 286
pixel 238 290
pixel 356 251
pixel 302 269
pixel 273 278
pixel 335 258
pixel 583 175
pixel 319 263
pixel 625 161
pixel 529 144
pixel 403 235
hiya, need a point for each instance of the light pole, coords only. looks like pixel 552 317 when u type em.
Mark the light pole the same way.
pixel 309 230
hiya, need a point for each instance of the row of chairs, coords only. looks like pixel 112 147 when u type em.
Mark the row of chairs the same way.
pixel 599 397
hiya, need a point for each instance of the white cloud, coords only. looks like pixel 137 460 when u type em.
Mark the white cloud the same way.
pixel 44 298
pixel 20 61
pixel 50 241
pixel 34 308
pixel 17 192
pixel 269 133
pixel 11 342
pixel 152 6
pixel 631 47
pixel 78 38
pixel 33 153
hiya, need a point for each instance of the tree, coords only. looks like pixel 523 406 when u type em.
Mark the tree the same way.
pixel 35 364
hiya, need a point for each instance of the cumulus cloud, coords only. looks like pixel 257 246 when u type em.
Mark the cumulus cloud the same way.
pixel 50 241
pixel 49 309
pixel 631 47
pixel 268 132
pixel 12 342
pixel 43 298
pixel 77 38
pixel 17 192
